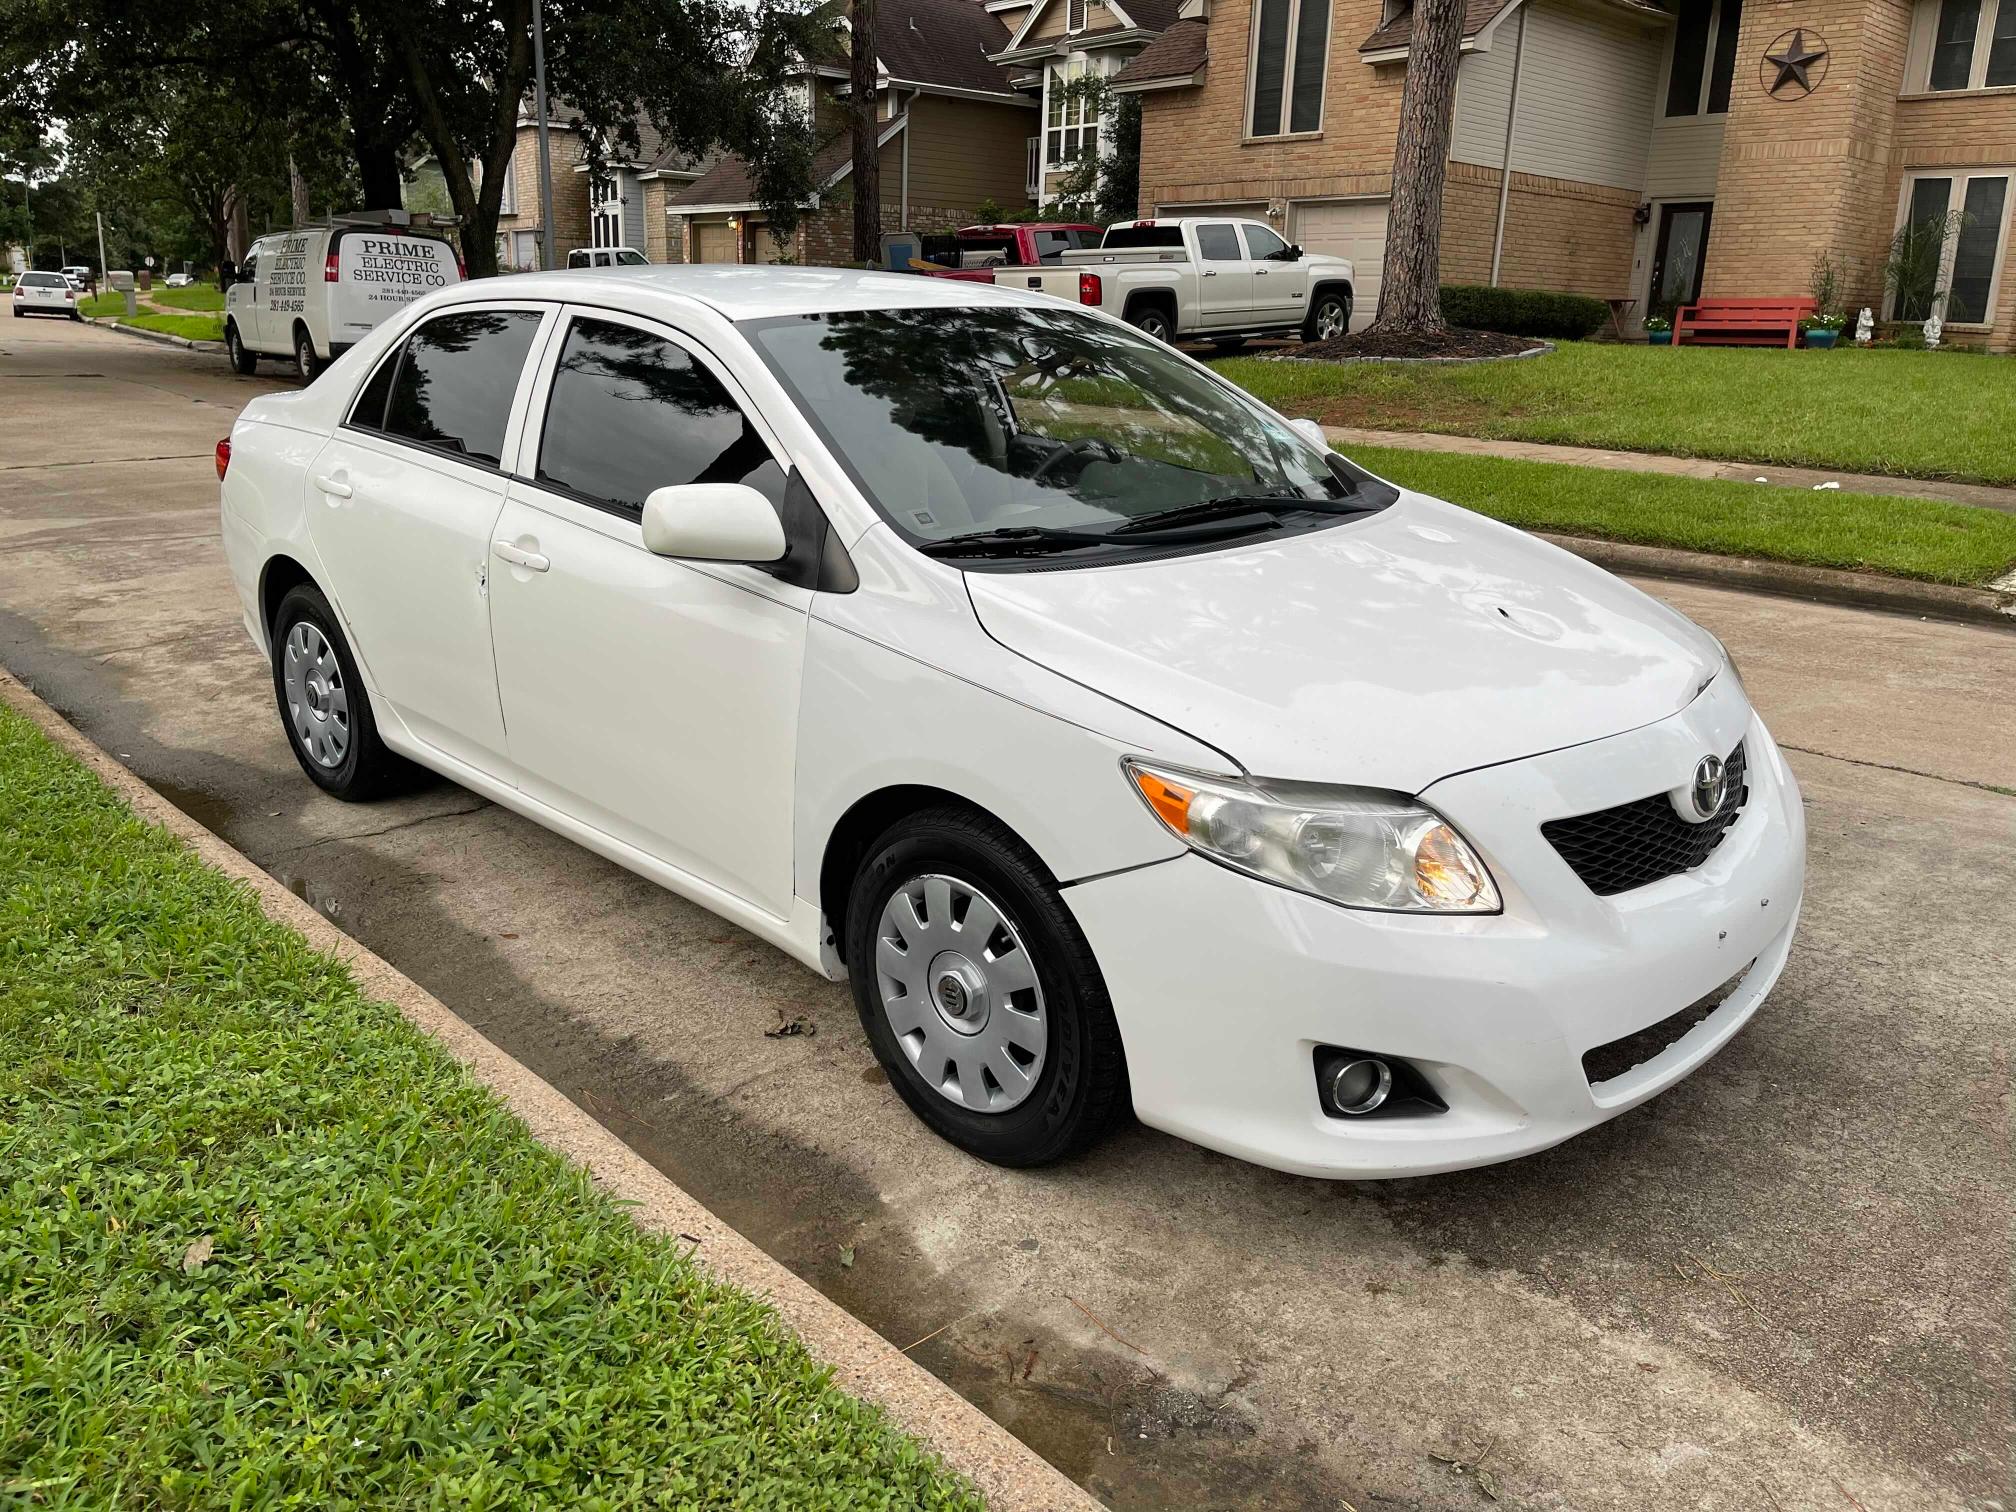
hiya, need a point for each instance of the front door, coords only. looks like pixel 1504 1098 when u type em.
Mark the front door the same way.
pixel 402 502
pixel 1679 256
pixel 655 700
pixel 1224 278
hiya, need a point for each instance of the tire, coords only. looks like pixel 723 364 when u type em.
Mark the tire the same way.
pixel 340 751
pixel 1152 320
pixel 1067 1050
pixel 242 361
pixel 1332 305
pixel 1225 346
pixel 306 363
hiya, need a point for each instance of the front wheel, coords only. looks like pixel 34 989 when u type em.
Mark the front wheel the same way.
pixel 979 993
pixel 1152 320
pixel 323 705
pixel 242 361
pixel 1329 316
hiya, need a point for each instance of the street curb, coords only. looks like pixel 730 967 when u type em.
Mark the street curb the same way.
pixel 105 322
pixel 1008 1473
pixel 1819 585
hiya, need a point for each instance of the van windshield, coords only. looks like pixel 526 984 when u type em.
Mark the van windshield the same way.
pixel 1033 421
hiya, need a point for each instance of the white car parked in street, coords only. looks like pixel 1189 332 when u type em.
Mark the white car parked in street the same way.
pixel 1122 744
pixel 45 294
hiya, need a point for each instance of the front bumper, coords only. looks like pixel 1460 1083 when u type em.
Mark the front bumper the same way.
pixel 1224 986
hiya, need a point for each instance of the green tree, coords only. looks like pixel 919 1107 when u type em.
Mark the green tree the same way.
pixel 1103 186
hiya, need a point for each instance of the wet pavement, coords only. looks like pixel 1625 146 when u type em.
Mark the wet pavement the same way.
pixel 1784 1284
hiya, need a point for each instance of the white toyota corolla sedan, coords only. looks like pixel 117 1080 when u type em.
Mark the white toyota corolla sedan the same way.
pixel 1120 743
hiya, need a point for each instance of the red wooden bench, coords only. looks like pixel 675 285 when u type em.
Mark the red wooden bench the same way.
pixel 1741 322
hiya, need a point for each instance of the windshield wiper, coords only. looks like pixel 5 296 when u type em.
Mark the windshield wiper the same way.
pixel 1229 505
pixel 1013 540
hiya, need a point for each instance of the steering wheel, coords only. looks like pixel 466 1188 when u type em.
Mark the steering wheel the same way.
pixel 1084 450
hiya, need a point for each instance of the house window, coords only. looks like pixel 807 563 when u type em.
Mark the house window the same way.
pixel 1291 41
pixel 1704 57
pixel 1950 246
pixel 1072 122
pixel 507 199
pixel 1972 45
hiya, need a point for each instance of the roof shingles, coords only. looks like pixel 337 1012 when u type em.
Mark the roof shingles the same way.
pixel 1177 54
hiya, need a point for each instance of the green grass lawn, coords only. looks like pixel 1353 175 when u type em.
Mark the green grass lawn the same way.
pixel 1911 414
pixel 262 1244
pixel 1914 538
pixel 194 297
pixel 198 326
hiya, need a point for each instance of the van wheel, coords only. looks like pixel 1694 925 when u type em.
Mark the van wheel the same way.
pixel 980 995
pixel 306 363
pixel 242 361
pixel 323 705
pixel 1329 316
pixel 1151 320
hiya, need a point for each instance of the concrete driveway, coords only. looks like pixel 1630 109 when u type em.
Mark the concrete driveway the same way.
pixel 1783 1285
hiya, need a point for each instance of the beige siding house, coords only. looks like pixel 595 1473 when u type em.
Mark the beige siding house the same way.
pixel 1650 153
pixel 953 137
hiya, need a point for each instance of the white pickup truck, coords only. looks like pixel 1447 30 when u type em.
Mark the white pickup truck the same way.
pixel 1204 277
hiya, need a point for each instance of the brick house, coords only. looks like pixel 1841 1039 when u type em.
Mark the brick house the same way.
pixel 624 207
pixel 1655 152
pixel 955 134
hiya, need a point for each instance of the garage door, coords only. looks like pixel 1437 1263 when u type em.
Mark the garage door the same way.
pixel 1356 230
pixel 763 247
pixel 713 242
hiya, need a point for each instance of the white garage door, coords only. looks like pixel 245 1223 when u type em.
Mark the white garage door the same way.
pixel 1356 230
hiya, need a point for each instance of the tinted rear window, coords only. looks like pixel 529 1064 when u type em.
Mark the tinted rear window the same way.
pixel 457 379
pixel 1121 237
pixel 44 281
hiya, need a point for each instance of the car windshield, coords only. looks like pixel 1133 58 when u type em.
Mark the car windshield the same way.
pixel 1037 421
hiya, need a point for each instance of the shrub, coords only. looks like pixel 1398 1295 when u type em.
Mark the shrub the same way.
pixel 1523 312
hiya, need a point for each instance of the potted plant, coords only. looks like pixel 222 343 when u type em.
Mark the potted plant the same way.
pixel 1659 330
pixel 1821 331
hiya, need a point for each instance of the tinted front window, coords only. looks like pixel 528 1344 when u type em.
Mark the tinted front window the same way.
pixel 631 412
pixel 984 419
pixel 1260 242
pixel 456 382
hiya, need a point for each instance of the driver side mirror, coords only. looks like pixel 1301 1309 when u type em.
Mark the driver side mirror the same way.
pixel 1312 432
pixel 1294 252
pixel 712 522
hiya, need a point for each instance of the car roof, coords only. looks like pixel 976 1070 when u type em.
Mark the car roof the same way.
pixel 746 291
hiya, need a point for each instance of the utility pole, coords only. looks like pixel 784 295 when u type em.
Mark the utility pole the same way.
pixel 546 233
pixel 104 268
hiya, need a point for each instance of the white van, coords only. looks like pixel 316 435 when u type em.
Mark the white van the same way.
pixel 311 295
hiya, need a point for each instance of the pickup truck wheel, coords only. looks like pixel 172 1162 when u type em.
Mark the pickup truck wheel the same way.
pixel 979 993
pixel 242 361
pixel 1329 316
pixel 1151 320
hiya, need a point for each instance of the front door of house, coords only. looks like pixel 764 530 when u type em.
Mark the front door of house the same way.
pixel 1679 255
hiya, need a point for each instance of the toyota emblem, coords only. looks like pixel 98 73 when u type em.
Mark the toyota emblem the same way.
pixel 1711 785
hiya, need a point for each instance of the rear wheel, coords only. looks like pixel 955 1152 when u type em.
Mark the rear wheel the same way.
pixel 306 363
pixel 1329 316
pixel 979 994
pixel 242 361
pixel 1152 320
pixel 323 705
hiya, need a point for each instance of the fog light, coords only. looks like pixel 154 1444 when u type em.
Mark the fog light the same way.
pixel 1355 1087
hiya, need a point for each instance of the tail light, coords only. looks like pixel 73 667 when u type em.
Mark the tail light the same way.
pixel 1091 290
pixel 223 458
pixel 462 270
pixel 329 267
pixel 69 293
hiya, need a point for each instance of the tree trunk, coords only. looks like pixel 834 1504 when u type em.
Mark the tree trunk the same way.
pixel 297 192
pixel 867 156
pixel 378 171
pixel 1410 294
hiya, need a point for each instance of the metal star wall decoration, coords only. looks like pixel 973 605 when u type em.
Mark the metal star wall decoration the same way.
pixel 1795 60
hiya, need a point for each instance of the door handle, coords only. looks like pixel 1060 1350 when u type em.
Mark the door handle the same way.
pixel 518 556
pixel 334 487
pixel 1259 272
pixel 1210 272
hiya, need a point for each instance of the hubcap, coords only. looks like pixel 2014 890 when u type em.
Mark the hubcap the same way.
pixel 318 700
pixel 1330 321
pixel 960 993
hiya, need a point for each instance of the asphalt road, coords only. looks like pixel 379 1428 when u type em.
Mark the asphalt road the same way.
pixel 1783 1285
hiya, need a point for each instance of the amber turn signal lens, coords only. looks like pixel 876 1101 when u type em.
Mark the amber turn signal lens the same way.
pixel 1170 802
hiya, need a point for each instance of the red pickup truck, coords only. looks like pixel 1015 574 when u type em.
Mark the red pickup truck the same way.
pixel 973 253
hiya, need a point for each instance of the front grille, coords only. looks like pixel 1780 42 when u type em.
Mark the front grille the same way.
pixel 1617 849
pixel 1608 1062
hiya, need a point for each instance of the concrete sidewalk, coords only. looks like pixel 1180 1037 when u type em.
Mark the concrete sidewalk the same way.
pixel 1981 495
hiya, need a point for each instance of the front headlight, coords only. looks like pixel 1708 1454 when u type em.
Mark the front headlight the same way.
pixel 1360 847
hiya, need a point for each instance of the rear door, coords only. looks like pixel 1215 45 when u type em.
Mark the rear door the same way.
pixel 656 700
pixel 378 274
pixel 401 504
pixel 1224 277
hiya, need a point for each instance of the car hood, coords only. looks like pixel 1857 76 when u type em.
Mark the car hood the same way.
pixel 1386 652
